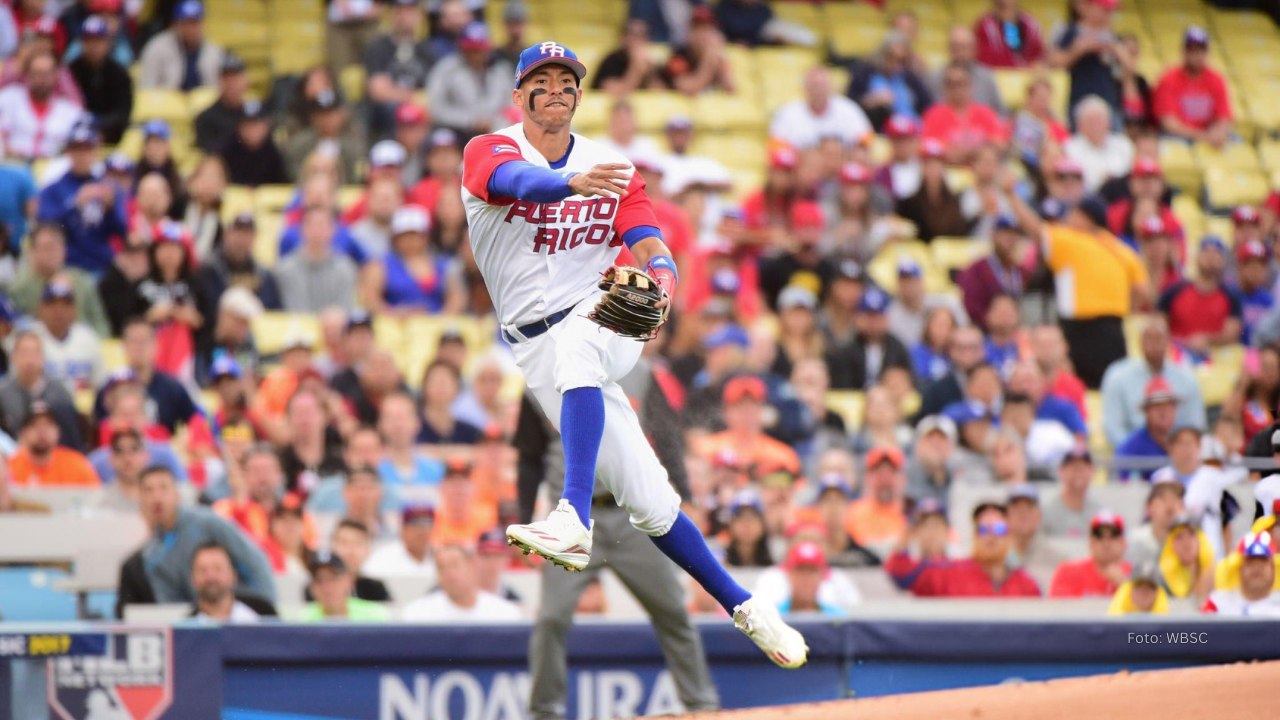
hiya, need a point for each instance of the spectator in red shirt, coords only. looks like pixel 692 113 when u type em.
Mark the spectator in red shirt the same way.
pixel 1158 250
pixel 958 122
pixel 985 574
pixel 1203 313
pixel 1049 348
pixel 1191 99
pixel 1147 198
pixel 1008 37
pixel 767 211
pixel 1104 570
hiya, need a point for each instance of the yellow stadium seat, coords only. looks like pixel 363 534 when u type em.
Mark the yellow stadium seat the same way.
pixel 425 331
pixel 956 253
pixel 272 198
pixel 160 104
pixel 388 333
pixel 1220 226
pixel 856 40
pixel 348 195
pixel 1097 438
pixel 1012 85
pixel 199 99
pixel 112 354
pixel 806 14
pixel 1180 167
pixel 351 79
pixel 654 107
pixel 1190 216
pixel 266 244
pixel 1235 156
pixel 721 112
pixel 848 405
pixel 959 179
pixel 1229 188
pixel 235 200
pixel 1218 377
pixel 272 329
pixel 744 151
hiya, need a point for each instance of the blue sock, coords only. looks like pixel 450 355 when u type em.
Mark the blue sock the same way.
pixel 581 428
pixel 684 544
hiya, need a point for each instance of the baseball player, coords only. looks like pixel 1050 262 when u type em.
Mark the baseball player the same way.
pixel 547 211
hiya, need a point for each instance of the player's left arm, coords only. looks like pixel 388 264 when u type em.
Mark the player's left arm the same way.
pixel 637 225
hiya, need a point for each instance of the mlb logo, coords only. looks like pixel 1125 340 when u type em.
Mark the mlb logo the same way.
pixel 132 680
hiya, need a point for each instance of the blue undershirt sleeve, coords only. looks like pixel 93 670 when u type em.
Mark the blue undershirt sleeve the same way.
pixel 636 234
pixel 526 181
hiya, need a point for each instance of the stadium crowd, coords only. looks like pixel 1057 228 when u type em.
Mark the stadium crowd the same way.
pixel 927 336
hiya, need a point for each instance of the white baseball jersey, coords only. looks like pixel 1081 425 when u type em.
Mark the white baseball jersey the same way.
pixel 539 258
pixel 1232 603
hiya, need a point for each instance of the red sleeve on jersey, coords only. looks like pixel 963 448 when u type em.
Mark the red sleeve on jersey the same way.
pixel 1209 606
pixel 481 157
pixel 636 209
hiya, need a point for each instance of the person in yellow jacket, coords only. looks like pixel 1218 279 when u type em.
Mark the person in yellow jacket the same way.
pixel 1227 575
pixel 1140 594
pixel 1186 561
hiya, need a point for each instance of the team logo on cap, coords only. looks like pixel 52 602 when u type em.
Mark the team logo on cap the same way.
pixel 551 49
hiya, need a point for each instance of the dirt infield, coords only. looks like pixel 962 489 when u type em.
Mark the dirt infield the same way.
pixel 1220 691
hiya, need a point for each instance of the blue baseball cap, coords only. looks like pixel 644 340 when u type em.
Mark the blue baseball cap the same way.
pixel 94 26
pixel 1256 545
pixel 746 499
pixel 833 481
pixel 548 53
pixel 118 162
pixel 1009 222
pixel 156 129
pixel 727 335
pixel 1213 242
pixel 725 281
pixel 189 10
pixel 225 367
pixel 908 267
pixel 8 313
pixel 966 411
pixel 84 132
pixel 1053 209
pixel 58 290
pixel 874 300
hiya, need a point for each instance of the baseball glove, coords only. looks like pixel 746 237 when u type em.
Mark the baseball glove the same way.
pixel 629 306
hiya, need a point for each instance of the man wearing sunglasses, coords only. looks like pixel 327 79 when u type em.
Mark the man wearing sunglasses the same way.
pixel 985 574
pixel 1104 570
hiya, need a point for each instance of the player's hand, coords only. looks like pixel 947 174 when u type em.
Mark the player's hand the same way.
pixel 606 179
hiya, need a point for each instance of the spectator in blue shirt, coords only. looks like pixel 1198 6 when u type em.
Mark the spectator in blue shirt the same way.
pixel 1027 378
pixel 89 207
pixel 17 202
pixel 1002 333
pixel 170 405
pixel 1160 408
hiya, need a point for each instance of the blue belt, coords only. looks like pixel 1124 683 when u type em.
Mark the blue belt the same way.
pixel 537 327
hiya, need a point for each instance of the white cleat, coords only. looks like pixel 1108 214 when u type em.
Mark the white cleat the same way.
pixel 560 538
pixel 762 623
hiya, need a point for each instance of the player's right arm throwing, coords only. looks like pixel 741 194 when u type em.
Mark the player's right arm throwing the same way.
pixel 494 167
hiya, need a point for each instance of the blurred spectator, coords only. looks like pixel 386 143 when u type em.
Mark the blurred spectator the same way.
pixel 901 175
pixel 928 466
pixel 515 23
pixel 9 34
pixel 747 543
pixel 801 261
pixel 1158 246
pixel 118 287
pixel 1141 593
pixel 881 422
pixel 257 484
pixel 1097 278
pixel 468 90
pixel 493 555
pixel 441 384
pixel 1008 37
pixel 313 452
pixel 174 301
pixel 39 461
pixel 1037 124
pixel 72 350
pixel 960 122
pixel 1256 397
pixel 983 203
pixel 152 203
pixel 333 586
pixel 630 66
pixel 202 216
pixel 933 208
pixel 181 58
pixel 1063 188
pixel 962 48
pixel 448 20
pixel 1205 499
pixel 27 384
pixel 965 351
pixel 745 400
pixel 1007 457
pixel 396 63
pixel 330 127
pixel 862 362
pixel 459 517
pixel 769 210
pixel 88 207
pixel 831 509
pixel 251 156
pixel 985 574
pixel 1136 96
pixel 1071 511
pixel 160 571
pixel 213 577
pixel 1191 100
pixel 1160 409
pixel 999 274
pixel 350 541
pixel 36 121
pixel 1255 597
pixel 288 532
pixel 104 82
pixel 411 277
pixel 861 224
pixel 821 114
pixel 1252 277
pixel 1186 561
pixel 480 403
pixel 157 158
pixel 316 276
pixel 879 517
pixel 1163 506
pixel 700 64
pixel 459 598
pixel 127 456
pixel 798 336
pixel 806 566
pixel 911 306
pixel 232 265
pixel 1088 50
pixel 1147 199
pixel 411 556
pixel 233 336
pixel 215 126
pixel 351 31
pixel 623 136
pixel 46 259
pixel 1102 153
pixel 888 85
pixel 1203 313
pixel 1049 350
pixel 1124 387
pixel 1044 442
pixel 970 464
pixel 376 378
pixel 385 195
pixel 1028 549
